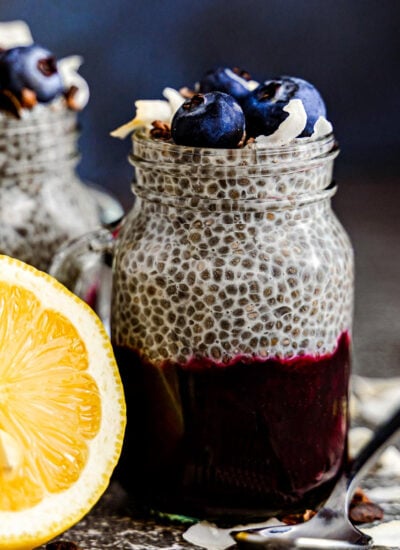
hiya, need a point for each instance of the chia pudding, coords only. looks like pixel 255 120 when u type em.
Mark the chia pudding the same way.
pixel 231 324
pixel 43 203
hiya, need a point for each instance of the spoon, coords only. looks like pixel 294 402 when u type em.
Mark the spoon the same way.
pixel 330 528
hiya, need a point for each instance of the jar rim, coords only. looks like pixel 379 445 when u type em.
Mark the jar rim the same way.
pixel 41 117
pixel 306 148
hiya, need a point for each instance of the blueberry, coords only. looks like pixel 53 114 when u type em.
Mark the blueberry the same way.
pixel 234 82
pixel 263 107
pixel 209 120
pixel 30 67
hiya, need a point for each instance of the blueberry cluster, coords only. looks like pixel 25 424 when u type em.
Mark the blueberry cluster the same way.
pixel 227 107
pixel 30 75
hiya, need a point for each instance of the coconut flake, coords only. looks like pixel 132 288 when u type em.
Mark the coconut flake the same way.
pixel 147 110
pixel 15 33
pixel 322 127
pixel 385 534
pixel 174 98
pixel 208 535
pixel 384 494
pixel 289 128
pixel 68 69
pixel 252 85
pixel 358 437
pixel 389 462
pixel 378 409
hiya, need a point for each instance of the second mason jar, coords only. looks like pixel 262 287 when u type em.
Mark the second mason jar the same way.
pixel 231 322
pixel 43 203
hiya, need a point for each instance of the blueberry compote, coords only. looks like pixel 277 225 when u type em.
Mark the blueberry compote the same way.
pixel 240 440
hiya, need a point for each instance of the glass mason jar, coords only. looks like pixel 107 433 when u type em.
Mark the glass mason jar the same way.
pixel 231 319
pixel 43 203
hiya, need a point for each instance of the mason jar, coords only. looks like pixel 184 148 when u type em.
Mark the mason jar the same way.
pixel 231 318
pixel 43 203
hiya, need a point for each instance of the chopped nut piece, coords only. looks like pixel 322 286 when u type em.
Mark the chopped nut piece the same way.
pixel 70 97
pixel 187 92
pixel 9 102
pixel 365 512
pixel 242 73
pixel 293 519
pixel 358 497
pixel 28 98
pixel 160 130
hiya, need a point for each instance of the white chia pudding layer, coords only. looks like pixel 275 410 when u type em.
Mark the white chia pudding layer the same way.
pixel 231 253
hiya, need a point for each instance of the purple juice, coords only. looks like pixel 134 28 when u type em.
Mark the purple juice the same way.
pixel 240 440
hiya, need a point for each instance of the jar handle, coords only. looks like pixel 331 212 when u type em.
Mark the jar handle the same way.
pixel 84 266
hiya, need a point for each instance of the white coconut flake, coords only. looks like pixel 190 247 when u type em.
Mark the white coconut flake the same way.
pixel 389 462
pixel 147 111
pixel 322 127
pixel 376 410
pixel 252 85
pixel 289 128
pixel 208 535
pixel 365 386
pixel 358 437
pixel 174 98
pixel 374 399
pixel 384 494
pixel 249 84
pixel 385 534
pixel 15 33
pixel 68 69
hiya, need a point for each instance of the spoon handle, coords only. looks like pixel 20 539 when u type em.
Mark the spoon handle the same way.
pixel 382 438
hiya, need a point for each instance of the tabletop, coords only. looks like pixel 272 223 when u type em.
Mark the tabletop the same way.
pixel 369 211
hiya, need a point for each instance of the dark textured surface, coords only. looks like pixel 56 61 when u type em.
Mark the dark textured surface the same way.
pixel 369 210
pixel 111 525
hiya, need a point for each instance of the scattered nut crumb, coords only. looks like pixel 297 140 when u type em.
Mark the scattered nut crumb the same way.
pixel 187 92
pixel 70 98
pixel 242 73
pixel 365 512
pixel 362 509
pixel 293 519
pixel 358 497
pixel 9 102
pixel 28 98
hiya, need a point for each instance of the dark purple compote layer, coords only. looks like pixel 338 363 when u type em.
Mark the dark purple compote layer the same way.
pixel 240 440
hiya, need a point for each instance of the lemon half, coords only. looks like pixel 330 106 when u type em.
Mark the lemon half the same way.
pixel 62 408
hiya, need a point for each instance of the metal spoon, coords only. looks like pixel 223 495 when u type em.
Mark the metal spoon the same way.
pixel 330 528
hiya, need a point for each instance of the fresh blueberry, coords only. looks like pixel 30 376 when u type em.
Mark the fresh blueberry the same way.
pixel 263 107
pixel 214 119
pixel 234 82
pixel 30 67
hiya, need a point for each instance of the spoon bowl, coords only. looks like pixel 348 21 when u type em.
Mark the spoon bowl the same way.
pixel 330 528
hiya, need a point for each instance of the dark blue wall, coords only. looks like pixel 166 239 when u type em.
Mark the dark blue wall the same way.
pixel 132 49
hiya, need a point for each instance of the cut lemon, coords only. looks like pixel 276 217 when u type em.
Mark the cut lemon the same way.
pixel 62 409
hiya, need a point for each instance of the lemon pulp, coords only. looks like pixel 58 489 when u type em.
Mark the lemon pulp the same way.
pixel 50 405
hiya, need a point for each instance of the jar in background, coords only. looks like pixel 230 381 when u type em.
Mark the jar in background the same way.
pixel 43 203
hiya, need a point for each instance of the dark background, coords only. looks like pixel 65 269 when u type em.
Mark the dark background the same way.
pixel 348 48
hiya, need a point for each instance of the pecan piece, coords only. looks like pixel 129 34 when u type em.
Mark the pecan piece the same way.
pixel 160 130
